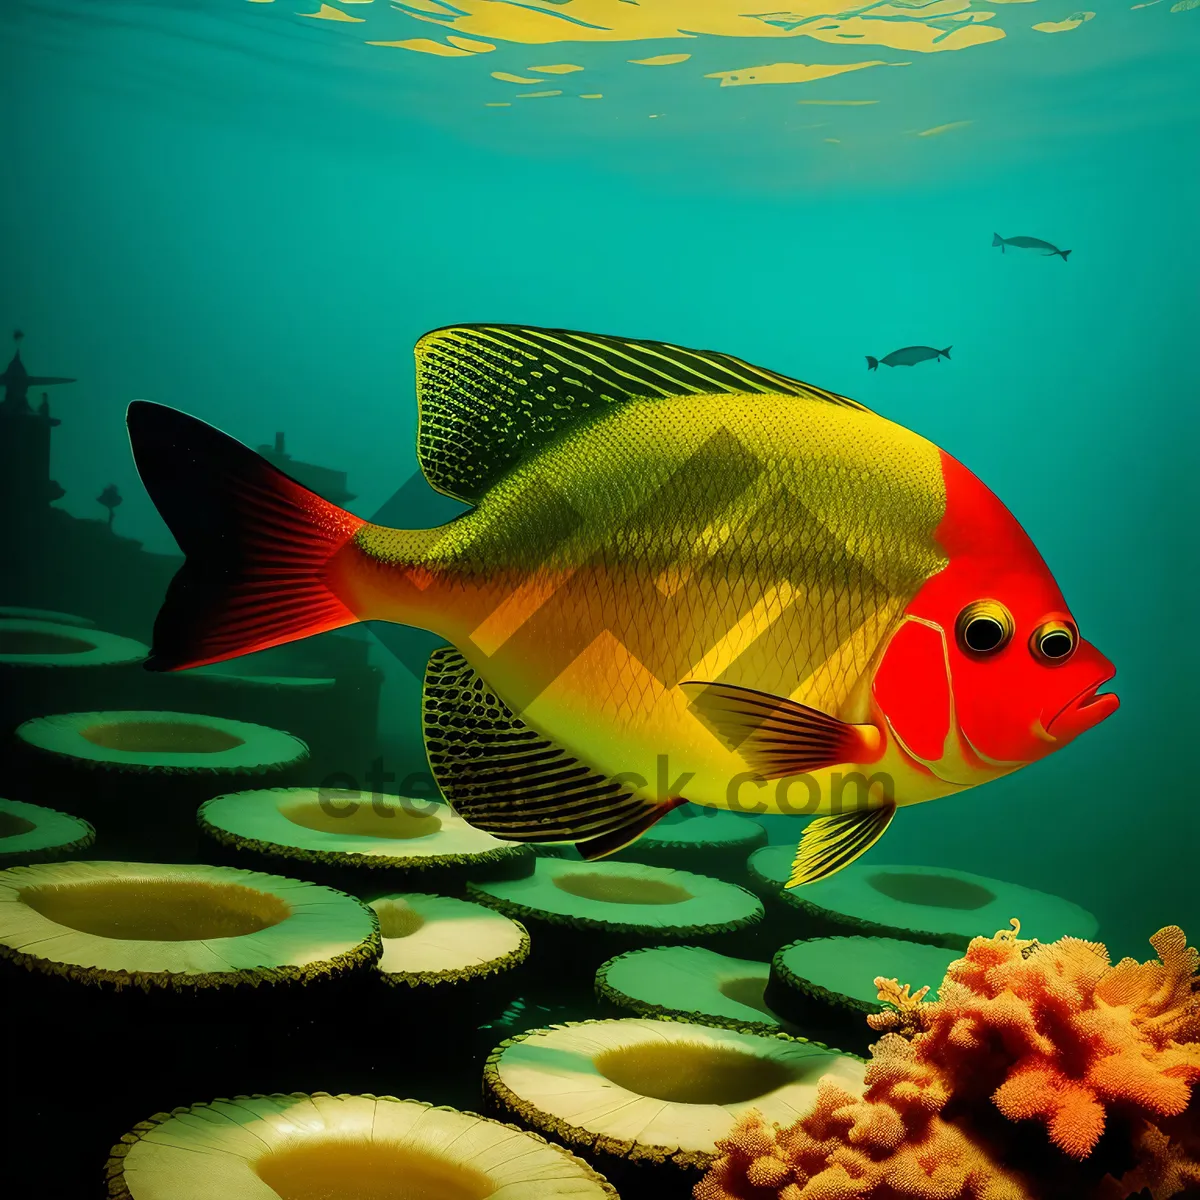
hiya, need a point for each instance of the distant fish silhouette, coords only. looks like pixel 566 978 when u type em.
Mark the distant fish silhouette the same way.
pixel 1028 243
pixel 908 357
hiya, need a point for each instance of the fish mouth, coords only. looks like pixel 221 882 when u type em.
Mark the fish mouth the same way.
pixel 1085 709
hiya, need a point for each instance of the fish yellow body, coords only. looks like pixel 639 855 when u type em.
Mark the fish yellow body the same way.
pixel 681 578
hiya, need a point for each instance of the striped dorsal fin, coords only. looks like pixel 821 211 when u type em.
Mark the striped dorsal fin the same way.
pixel 506 779
pixel 489 396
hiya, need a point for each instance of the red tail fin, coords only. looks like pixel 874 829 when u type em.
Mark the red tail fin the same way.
pixel 257 543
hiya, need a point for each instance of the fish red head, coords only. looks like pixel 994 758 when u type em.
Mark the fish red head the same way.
pixel 990 652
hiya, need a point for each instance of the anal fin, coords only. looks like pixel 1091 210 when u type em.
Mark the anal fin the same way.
pixel 610 843
pixel 831 843
pixel 508 779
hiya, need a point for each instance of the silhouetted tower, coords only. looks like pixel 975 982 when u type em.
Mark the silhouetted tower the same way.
pixel 17 381
pixel 324 481
pixel 25 484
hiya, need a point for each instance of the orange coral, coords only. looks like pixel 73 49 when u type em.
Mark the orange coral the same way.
pixel 848 1147
pixel 1020 1032
pixel 1078 1036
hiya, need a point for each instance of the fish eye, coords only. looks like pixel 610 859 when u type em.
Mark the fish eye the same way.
pixel 1054 641
pixel 984 627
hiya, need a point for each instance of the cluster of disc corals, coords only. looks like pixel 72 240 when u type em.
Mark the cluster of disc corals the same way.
pixel 1048 1056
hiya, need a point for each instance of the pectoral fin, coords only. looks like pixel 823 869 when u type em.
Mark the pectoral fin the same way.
pixel 831 843
pixel 775 736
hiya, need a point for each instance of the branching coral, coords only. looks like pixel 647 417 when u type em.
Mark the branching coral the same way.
pixel 1020 1033
pixel 1070 1036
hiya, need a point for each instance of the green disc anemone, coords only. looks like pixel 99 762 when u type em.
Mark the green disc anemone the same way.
pixel 938 905
pixel 690 983
pixel 437 940
pixel 140 775
pixel 30 833
pixel 323 1147
pixel 162 743
pixel 826 986
pixel 645 1101
pixel 363 842
pixel 705 840
pixel 222 677
pixel 305 704
pixel 583 913
pixel 27 645
pixel 47 666
pixel 332 715
pixel 14 612
pixel 181 928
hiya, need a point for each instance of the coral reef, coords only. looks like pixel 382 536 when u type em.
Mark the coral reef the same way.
pixel 936 905
pixel 30 833
pixel 690 983
pixel 824 985
pixel 580 914
pixel 647 1102
pixel 175 929
pixel 47 666
pixel 443 943
pixel 322 1145
pixel 705 841
pixel 364 843
pixel 1040 1071
pixel 139 776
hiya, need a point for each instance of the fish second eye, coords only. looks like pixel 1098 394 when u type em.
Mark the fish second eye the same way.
pixel 1054 641
pixel 984 627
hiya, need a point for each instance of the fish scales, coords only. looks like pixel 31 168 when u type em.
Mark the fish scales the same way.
pixel 817 519
pixel 681 576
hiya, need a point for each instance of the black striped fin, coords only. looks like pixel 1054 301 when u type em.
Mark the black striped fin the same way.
pixel 490 395
pixel 507 779
pixel 831 843
pixel 610 843
pixel 774 735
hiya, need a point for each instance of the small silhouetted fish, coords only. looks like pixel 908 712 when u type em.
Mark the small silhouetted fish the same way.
pixel 908 357
pixel 1028 243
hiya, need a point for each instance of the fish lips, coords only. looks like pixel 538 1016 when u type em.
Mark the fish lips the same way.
pixel 1087 708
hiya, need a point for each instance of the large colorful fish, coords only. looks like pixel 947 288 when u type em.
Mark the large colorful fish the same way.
pixel 682 577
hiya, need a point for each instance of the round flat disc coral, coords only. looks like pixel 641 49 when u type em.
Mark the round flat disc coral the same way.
pixel 624 898
pixel 370 834
pixel 690 983
pixel 324 1147
pixel 826 986
pixel 140 775
pixel 432 940
pixel 938 905
pixel 656 1093
pixel 616 906
pixel 10 612
pixel 162 742
pixel 218 677
pixel 308 705
pixel 704 840
pixel 47 666
pixel 30 833
pixel 180 927
pixel 49 645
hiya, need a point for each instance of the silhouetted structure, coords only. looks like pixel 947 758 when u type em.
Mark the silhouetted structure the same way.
pixel 323 481
pixel 17 381
pixel 52 560
pixel 110 498
pixel 25 483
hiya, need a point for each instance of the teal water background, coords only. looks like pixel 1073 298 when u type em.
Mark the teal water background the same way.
pixel 252 216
